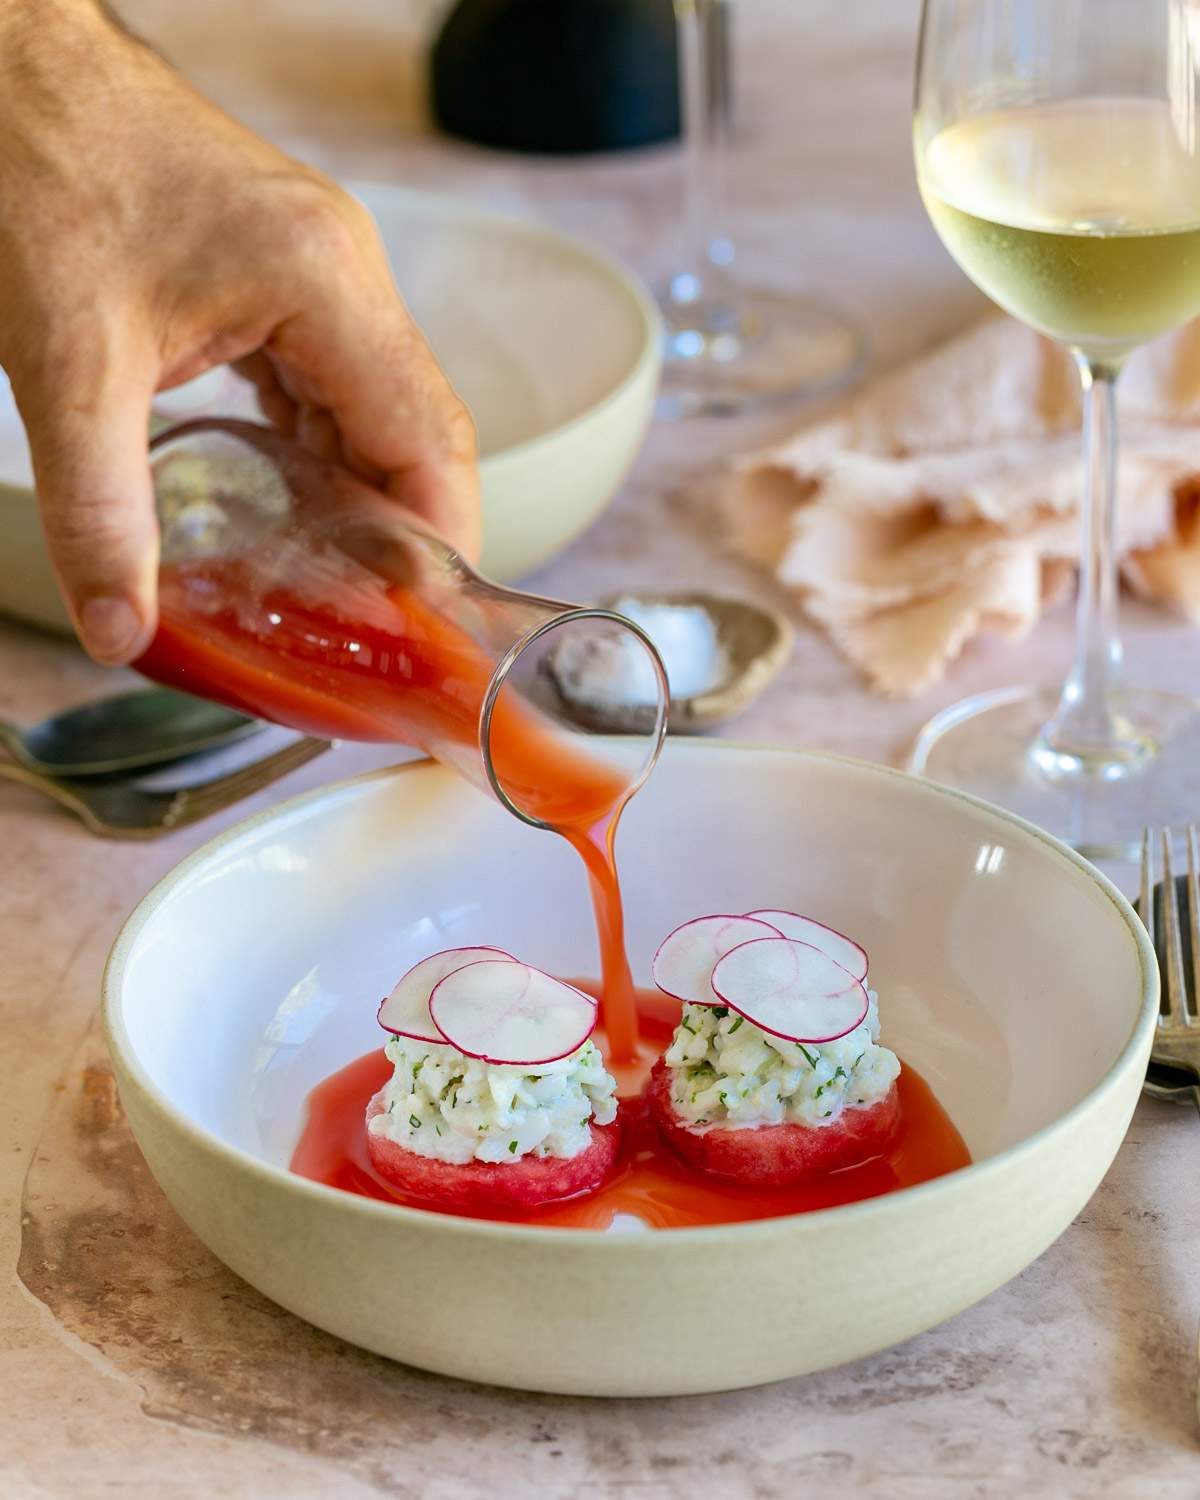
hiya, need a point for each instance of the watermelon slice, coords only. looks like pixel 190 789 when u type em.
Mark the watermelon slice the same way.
pixel 776 1155
pixel 523 1183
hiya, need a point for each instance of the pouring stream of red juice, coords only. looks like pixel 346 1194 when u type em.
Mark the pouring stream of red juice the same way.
pixel 397 670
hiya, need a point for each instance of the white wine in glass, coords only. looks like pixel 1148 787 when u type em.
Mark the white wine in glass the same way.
pixel 1058 155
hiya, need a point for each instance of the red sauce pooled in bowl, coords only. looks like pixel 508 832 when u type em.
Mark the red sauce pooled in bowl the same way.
pixel 649 1181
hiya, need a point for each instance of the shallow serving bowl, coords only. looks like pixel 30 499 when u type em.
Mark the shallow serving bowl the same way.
pixel 553 346
pixel 1010 973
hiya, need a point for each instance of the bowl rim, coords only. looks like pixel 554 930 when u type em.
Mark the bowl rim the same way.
pixel 656 1242
pixel 649 355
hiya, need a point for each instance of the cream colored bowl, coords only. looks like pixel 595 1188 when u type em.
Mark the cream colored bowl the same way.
pixel 553 346
pixel 1010 973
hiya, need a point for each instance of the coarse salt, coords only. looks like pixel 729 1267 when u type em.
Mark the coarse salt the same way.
pixel 614 671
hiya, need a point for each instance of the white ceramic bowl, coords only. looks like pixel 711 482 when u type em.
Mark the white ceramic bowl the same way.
pixel 1010 972
pixel 553 345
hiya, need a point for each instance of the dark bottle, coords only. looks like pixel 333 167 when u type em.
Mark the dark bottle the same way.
pixel 557 76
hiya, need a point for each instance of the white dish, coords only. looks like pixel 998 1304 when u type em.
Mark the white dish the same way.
pixel 1011 974
pixel 553 345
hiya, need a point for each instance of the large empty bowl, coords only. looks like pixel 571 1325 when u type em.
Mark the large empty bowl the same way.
pixel 553 346
pixel 1010 973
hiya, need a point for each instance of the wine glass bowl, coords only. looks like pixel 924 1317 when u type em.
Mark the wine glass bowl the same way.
pixel 1058 155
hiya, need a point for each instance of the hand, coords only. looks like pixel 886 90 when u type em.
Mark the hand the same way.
pixel 144 238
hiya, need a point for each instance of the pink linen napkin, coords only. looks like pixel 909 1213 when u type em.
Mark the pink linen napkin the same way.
pixel 941 502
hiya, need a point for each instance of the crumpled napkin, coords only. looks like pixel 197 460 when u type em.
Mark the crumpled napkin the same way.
pixel 941 502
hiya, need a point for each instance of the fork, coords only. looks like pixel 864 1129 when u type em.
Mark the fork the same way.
pixel 1177 1044
pixel 121 809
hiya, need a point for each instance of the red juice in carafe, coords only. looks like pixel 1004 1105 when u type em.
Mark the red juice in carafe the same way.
pixel 339 652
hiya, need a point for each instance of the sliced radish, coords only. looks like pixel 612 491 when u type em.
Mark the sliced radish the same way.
pixel 686 958
pixel 506 1012
pixel 405 1012
pixel 790 989
pixel 841 949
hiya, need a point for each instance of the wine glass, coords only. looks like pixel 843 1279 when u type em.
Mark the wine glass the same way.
pixel 729 347
pixel 1058 155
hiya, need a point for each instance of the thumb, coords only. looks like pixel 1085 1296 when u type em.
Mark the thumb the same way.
pixel 88 444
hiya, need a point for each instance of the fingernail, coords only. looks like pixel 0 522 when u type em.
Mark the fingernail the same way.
pixel 111 629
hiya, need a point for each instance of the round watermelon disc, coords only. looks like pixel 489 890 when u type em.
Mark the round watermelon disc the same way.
pixel 475 1186
pixel 776 1155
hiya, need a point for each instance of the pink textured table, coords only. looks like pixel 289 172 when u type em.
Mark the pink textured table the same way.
pixel 131 1362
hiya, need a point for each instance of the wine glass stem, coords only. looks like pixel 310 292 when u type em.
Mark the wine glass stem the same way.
pixel 1087 733
pixel 704 100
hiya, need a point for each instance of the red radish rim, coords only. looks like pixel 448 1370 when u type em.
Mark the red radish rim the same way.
pixel 519 1062
pixel 437 1040
pixel 817 1041
pixel 802 917
pixel 716 916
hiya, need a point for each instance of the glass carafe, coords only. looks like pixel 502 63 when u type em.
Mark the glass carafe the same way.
pixel 294 590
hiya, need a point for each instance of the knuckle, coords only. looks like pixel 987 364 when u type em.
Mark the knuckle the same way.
pixel 326 225
pixel 89 530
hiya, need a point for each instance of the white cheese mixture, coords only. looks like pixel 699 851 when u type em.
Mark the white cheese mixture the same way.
pixel 725 1072
pixel 441 1104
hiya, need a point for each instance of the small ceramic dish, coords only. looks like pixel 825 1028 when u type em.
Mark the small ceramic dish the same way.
pixel 1011 974
pixel 756 642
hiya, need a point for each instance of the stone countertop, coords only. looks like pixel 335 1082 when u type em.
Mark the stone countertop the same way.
pixel 131 1362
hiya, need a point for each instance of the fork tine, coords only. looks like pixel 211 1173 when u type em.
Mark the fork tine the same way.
pixel 1193 896
pixel 1177 1012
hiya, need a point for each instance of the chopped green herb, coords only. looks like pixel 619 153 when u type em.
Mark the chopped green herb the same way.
pixel 724 1098
pixel 736 1024
pixel 512 1148
pixel 417 1066
pixel 826 1115
pixel 720 1012
pixel 811 1060
pixel 703 1120
pixel 438 1128
pixel 858 1059
pixel 454 1100
pixel 684 1025
pixel 838 1073
pixel 415 1121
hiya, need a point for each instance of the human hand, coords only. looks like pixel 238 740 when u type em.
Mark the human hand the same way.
pixel 144 238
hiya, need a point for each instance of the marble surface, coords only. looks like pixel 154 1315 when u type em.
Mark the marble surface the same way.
pixel 131 1362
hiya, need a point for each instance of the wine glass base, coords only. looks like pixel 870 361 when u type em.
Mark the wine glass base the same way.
pixel 723 359
pixel 993 745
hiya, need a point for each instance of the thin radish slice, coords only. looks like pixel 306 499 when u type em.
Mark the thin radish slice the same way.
pixel 686 958
pixel 405 1012
pixel 841 949
pixel 505 1012
pixel 790 989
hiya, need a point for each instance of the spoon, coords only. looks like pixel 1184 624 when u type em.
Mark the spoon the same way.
pixel 145 728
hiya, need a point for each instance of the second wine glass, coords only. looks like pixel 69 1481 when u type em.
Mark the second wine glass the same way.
pixel 731 347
